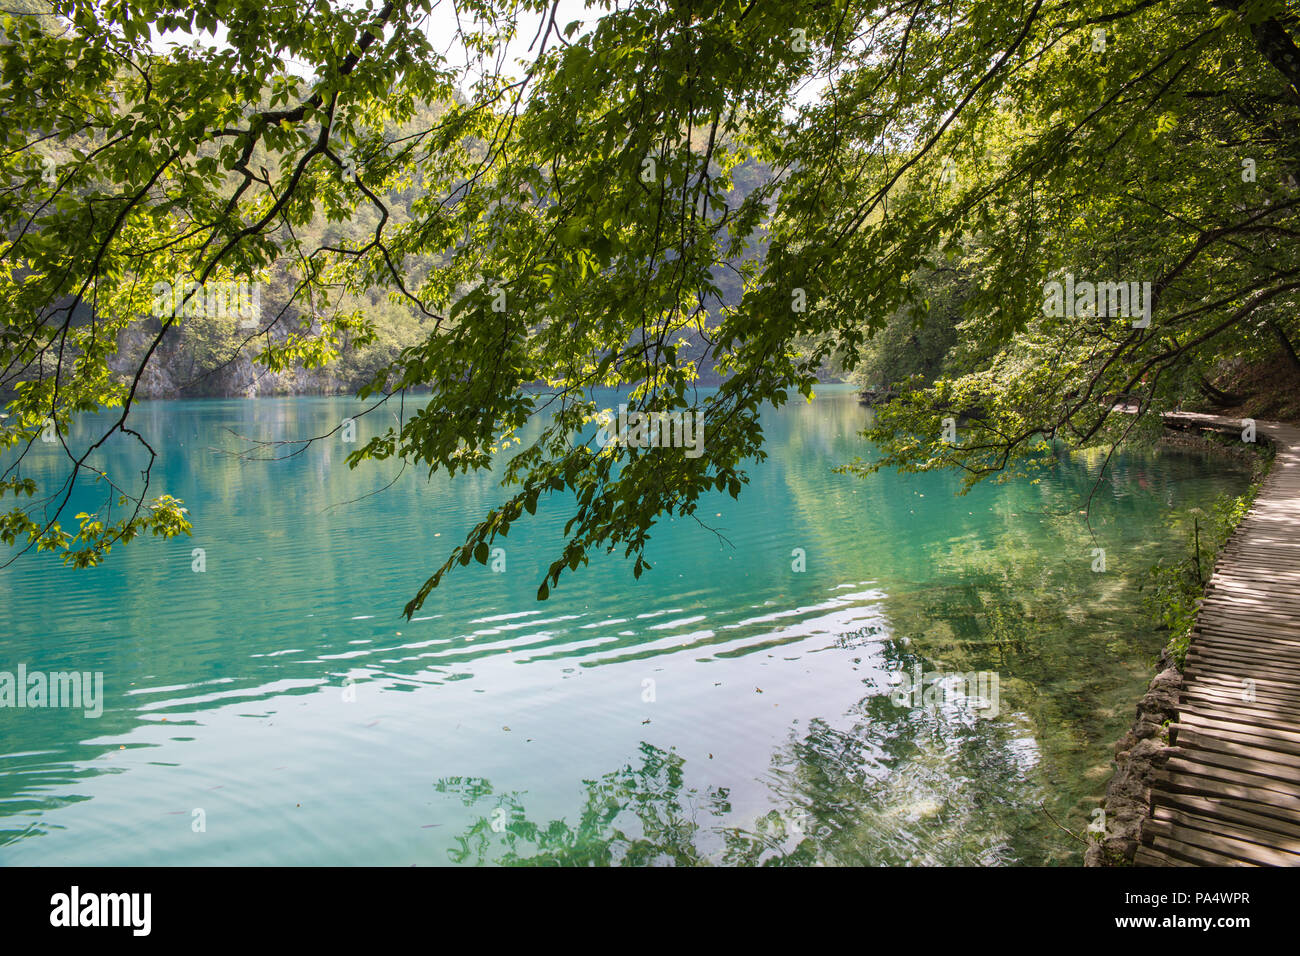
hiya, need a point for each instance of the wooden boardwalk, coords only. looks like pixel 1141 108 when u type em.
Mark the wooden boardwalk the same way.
pixel 1230 794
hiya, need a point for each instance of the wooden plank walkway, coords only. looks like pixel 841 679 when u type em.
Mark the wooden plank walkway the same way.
pixel 1230 795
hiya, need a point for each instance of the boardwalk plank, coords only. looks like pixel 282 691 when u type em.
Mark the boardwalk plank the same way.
pixel 1233 716
pixel 1218 682
pixel 1284 779
pixel 1167 844
pixel 1230 848
pixel 1194 720
pixel 1230 794
pixel 1228 810
pixel 1236 746
pixel 1212 695
pixel 1215 822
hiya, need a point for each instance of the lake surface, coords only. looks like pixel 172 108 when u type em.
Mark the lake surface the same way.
pixel 275 708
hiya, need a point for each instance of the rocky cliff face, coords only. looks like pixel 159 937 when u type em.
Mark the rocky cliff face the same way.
pixel 174 371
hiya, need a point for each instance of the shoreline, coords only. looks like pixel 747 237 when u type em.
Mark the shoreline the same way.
pixel 1145 747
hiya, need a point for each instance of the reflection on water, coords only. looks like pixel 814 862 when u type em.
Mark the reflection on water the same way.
pixel 725 708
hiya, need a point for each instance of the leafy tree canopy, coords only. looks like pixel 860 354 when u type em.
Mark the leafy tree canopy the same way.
pixel 574 218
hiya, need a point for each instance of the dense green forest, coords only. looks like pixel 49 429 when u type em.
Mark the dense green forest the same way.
pixel 1015 214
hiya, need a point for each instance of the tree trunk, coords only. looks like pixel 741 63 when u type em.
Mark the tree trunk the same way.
pixel 1287 347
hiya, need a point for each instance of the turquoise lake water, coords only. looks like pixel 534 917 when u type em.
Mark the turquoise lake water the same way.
pixel 276 708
